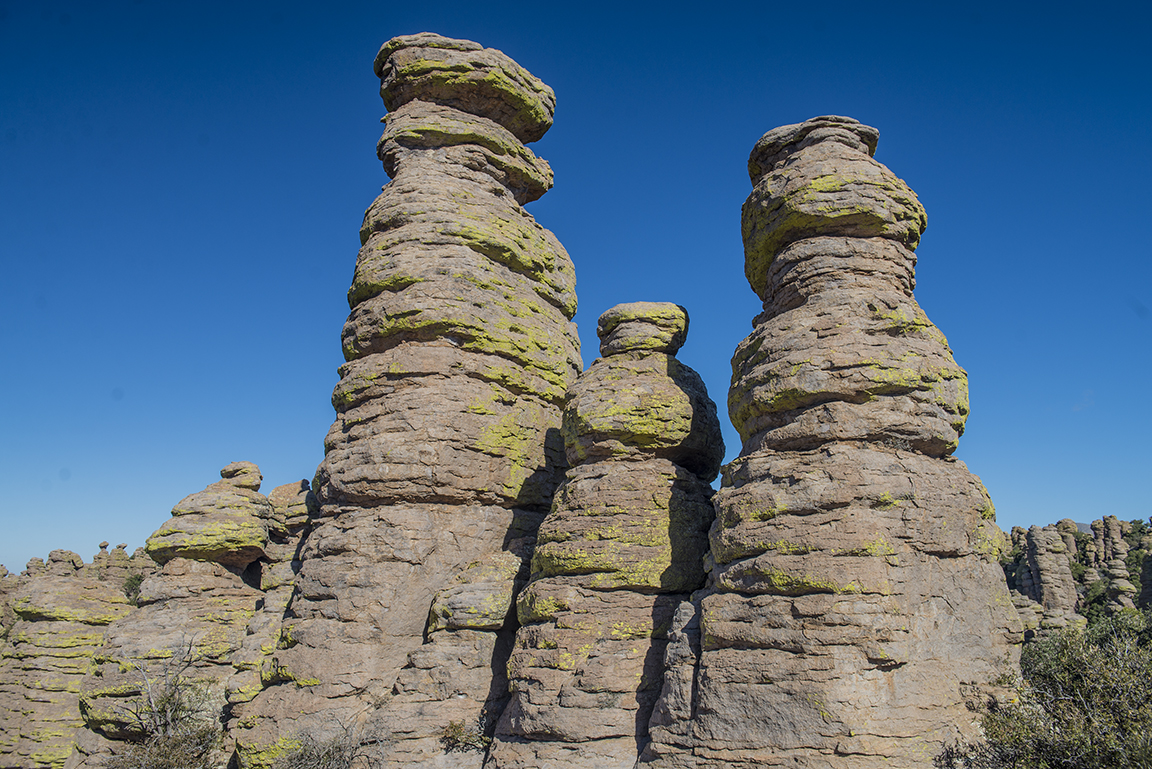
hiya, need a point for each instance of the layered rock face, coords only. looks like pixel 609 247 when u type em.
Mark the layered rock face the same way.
pixel 620 550
pixel 1047 596
pixel 61 611
pixel 193 614
pixel 855 593
pixel 446 448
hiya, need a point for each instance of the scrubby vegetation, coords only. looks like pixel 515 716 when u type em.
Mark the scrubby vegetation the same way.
pixel 347 748
pixel 1084 702
pixel 174 722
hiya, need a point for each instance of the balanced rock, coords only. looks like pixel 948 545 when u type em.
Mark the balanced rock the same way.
pixel 855 593
pixel 621 549
pixel 226 523
pixel 446 448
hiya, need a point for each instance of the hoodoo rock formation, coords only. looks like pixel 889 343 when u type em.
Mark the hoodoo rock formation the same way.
pixel 446 448
pixel 503 563
pixel 855 594
pixel 1045 591
pixel 621 549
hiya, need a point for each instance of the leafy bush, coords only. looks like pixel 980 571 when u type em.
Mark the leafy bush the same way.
pixel 131 586
pixel 1085 702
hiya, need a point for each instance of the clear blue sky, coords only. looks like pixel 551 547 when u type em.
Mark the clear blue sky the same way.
pixel 182 185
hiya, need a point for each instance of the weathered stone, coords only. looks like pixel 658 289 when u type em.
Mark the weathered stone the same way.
pixel 1044 575
pixel 61 615
pixel 654 326
pixel 226 523
pixel 446 448
pixel 855 594
pixel 618 553
pixel 463 75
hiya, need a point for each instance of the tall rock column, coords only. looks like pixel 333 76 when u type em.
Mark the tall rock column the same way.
pixel 620 550
pixel 446 447
pixel 856 593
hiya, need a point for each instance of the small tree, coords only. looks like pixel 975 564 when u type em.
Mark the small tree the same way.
pixel 1085 702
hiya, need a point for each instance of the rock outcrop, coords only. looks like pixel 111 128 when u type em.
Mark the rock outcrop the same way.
pixel 1045 592
pixel 193 611
pixel 855 594
pixel 61 612
pixel 446 448
pixel 621 549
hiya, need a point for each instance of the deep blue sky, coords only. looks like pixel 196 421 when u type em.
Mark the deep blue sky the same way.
pixel 182 185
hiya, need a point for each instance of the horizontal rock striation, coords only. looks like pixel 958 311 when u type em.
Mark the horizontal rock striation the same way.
pixel 193 615
pixel 61 613
pixel 446 447
pixel 855 594
pixel 621 549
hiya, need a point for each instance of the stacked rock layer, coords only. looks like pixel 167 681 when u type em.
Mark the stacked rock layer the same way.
pixel 620 550
pixel 855 593
pixel 446 448
pixel 193 616
pixel 1046 596
pixel 61 611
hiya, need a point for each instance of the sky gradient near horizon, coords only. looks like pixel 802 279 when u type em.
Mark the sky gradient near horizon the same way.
pixel 182 186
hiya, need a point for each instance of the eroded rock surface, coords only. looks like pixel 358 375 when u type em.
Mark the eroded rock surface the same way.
pixel 61 612
pixel 855 594
pixel 193 612
pixel 1045 591
pixel 446 448
pixel 621 549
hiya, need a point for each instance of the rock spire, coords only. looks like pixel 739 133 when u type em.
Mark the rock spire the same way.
pixel 446 448
pixel 621 549
pixel 855 591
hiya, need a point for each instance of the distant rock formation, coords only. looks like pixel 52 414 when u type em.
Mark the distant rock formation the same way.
pixel 856 592
pixel 446 448
pixel 1045 591
pixel 61 611
pixel 620 550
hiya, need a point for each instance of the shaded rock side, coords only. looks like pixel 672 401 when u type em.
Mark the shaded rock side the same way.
pixel 618 553
pixel 446 448
pixel 193 615
pixel 61 614
pixel 855 597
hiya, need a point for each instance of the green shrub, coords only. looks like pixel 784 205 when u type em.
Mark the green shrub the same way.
pixel 131 586
pixel 1085 702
